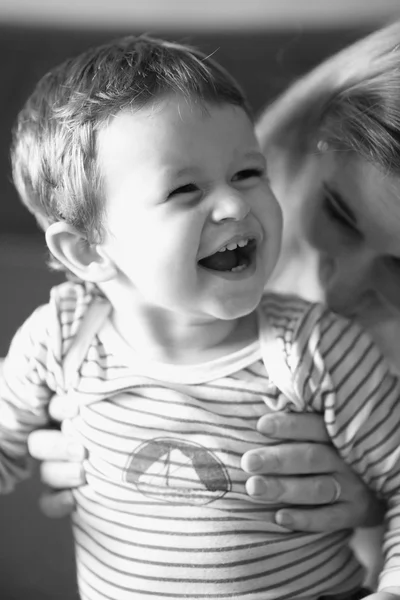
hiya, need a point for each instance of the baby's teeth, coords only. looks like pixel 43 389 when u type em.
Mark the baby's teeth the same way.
pixel 234 245
pixel 238 268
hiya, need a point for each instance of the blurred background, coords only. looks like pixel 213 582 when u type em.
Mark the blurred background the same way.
pixel 266 44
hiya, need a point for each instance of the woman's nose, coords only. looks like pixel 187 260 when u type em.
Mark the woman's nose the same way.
pixel 229 205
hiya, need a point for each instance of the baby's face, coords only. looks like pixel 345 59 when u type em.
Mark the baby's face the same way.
pixel 191 222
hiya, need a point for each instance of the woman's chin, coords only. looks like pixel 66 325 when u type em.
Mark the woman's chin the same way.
pixel 385 331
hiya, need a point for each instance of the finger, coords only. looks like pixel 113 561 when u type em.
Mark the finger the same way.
pixel 308 490
pixel 292 459
pixel 57 504
pixel 287 426
pixel 326 518
pixel 60 475
pixel 63 407
pixel 48 444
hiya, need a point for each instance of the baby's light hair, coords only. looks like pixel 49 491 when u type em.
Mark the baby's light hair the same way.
pixel 54 149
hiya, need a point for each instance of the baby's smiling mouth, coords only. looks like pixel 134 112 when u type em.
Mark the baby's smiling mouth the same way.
pixel 234 257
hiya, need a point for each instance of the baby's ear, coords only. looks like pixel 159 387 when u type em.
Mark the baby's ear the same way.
pixel 74 251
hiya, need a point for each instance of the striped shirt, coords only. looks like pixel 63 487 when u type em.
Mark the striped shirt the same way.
pixel 164 513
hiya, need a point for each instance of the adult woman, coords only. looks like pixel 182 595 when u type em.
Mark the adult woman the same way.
pixel 333 146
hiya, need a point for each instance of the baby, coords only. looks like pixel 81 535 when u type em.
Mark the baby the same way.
pixel 139 160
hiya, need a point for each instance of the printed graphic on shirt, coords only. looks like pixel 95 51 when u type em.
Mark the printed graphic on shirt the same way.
pixel 177 471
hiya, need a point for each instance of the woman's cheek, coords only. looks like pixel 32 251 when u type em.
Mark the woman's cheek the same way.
pixel 320 232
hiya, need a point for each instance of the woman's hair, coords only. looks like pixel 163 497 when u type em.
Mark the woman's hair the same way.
pixel 351 100
pixel 54 139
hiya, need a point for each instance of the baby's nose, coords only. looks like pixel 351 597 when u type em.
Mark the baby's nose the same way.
pixel 230 205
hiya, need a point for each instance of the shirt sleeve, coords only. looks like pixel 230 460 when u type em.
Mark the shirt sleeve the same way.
pixel 30 376
pixel 340 372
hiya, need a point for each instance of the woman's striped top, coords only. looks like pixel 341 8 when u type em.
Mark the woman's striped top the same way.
pixel 165 514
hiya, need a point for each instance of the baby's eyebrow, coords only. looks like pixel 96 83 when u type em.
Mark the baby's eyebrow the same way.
pixel 176 172
pixel 255 154
pixel 180 172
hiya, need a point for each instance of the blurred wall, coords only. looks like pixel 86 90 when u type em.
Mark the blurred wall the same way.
pixel 199 13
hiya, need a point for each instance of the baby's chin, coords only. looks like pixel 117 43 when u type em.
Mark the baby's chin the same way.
pixel 385 331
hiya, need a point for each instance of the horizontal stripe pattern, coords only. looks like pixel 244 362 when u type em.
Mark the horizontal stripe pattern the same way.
pixel 165 512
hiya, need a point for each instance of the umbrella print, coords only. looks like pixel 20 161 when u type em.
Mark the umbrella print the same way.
pixel 175 470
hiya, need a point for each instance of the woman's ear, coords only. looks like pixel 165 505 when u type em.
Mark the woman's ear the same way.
pixel 74 251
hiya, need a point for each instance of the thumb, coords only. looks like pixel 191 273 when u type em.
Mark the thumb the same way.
pixel 63 407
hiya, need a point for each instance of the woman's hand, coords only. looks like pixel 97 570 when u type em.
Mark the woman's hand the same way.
pixel 386 594
pixel 305 471
pixel 62 468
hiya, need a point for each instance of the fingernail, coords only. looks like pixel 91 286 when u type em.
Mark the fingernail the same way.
pixel 76 451
pixel 255 486
pixel 269 489
pixel 283 518
pixel 78 473
pixel 266 425
pixel 67 499
pixel 253 462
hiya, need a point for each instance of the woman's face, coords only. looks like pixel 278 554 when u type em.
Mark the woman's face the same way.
pixel 352 218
